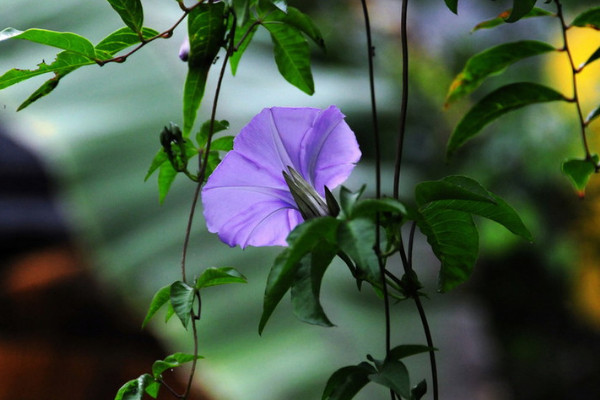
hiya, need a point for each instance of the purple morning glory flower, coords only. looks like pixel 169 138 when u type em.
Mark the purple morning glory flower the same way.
pixel 247 199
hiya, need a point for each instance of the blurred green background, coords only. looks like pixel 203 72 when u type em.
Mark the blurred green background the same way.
pixel 518 330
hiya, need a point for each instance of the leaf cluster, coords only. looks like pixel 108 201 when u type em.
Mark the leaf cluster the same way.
pixel 513 96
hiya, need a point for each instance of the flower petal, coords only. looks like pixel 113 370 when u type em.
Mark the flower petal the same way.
pixel 246 199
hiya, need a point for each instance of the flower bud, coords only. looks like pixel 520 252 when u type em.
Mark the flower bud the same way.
pixel 184 50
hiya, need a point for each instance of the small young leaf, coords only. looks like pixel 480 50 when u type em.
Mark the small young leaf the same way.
pixel 131 12
pixel 394 375
pixel 492 62
pixel 496 104
pixel 182 299
pixel 346 382
pixel 219 276
pixel 302 240
pixel 134 389
pixel 501 19
pixel 349 199
pixel 202 135
pixel 595 55
pixel 454 240
pixel 172 361
pixel 62 40
pixel 160 298
pixel 206 30
pixel 580 171
pixel 589 18
pixel 292 55
pixel 306 288
pixel 592 115
pixel 520 9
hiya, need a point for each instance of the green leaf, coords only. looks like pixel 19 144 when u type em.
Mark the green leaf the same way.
pixel 122 39
pixel 490 62
pixel 452 5
pixel 520 9
pixel 464 194
pixel 292 55
pixel 368 208
pixel 131 12
pixel 407 350
pixel 496 104
pixel 242 11
pixel 454 240
pixel 224 143
pixel 245 33
pixel 501 19
pixel 589 18
pixel 157 161
pixel 202 135
pixel 595 55
pixel 160 298
pixel 219 276
pixel 206 30
pixel 394 375
pixel 67 62
pixel 451 188
pixel 302 240
pixel 349 199
pixel 166 176
pixel 580 171
pixel 592 115
pixel 302 22
pixel 356 238
pixel 62 40
pixel 346 382
pixel 182 299
pixel 306 288
pixel 134 389
pixel 172 361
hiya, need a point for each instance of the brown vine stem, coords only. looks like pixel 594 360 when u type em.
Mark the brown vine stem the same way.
pixel 201 175
pixel 574 72
pixel 407 260
pixel 377 248
pixel 163 35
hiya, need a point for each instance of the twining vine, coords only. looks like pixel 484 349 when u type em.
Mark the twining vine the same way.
pixel 283 196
